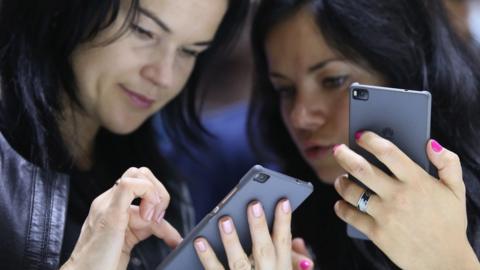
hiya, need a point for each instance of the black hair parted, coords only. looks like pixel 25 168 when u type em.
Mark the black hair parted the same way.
pixel 409 42
pixel 36 43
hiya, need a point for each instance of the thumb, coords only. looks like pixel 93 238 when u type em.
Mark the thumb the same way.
pixel 301 258
pixel 448 166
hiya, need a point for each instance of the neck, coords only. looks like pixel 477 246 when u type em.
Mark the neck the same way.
pixel 78 131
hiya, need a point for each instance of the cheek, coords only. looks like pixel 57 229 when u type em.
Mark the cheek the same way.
pixel 342 116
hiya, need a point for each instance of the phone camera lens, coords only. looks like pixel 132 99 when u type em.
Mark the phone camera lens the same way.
pixel 261 177
pixel 360 94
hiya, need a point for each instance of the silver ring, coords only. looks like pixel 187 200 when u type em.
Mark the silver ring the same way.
pixel 363 201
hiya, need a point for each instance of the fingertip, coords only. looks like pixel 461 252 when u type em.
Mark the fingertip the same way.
pixel 436 146
pixel 200 245
pixel 306 264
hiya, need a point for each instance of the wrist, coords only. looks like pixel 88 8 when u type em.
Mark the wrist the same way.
pixel 466 258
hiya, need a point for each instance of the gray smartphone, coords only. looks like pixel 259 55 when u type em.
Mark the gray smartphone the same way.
pixel 399 115
pixel 259 183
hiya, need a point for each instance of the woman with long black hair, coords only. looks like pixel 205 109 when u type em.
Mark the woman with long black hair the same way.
pixel 307 54
pixel 79 82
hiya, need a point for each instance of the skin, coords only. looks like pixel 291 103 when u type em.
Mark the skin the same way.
pixel 312 81
pixel 400 214
pixel 153 62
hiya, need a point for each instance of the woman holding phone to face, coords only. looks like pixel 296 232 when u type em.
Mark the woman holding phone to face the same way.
pixel 80 81
pixel 307 53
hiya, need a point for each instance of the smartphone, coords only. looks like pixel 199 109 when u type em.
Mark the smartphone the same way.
pixel 399 115
pixel 259 183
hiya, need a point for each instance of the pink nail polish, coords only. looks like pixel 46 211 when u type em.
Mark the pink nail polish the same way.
pixel 305 264
pixel 200 245
pixel 436 147
pixel 358 135
pixel 227 226
pixel 257 210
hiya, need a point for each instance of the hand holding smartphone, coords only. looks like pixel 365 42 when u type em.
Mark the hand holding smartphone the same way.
pixel 399 115
pixel 258 184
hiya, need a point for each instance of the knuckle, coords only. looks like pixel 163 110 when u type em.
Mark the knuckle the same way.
pixel 122 183
pixel 241 264
pixel 145 169
pixel 264 251
pixel 452 158
pixel 359 168
pixel 400 200
pixel 284 239
pixel 386 149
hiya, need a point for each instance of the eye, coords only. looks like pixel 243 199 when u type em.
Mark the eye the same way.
pixel 141 32
pixel 287 91
pixel 189 53
pixel 334 82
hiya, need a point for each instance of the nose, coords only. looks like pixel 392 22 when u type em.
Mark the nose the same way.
pixel 307 113
pixel 160 68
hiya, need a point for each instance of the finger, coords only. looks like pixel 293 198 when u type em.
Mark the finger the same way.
pixel 237 259
pixel 449 168
pixel 206 255
pixel 262 245
pixel 351 215
pixel 301 262
pixel 164 230
pixel 299 246
pixel 162 194
pixel 143 229
pixel 388 154
pixel 372 177
pixel 127 189
pixel 132 172
pixel 282 235
pixel 351 192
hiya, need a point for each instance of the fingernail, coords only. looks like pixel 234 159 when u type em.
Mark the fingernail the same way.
pixel 335 147
pixel 160 217
pixel 149 214
pixel 257 210
pixel 436 147
pixel 200 246
pixel 305 264
pixel 359 134
pixel 286 206
pixel 227 226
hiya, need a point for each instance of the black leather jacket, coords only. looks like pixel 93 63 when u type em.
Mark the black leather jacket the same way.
pixel 33 207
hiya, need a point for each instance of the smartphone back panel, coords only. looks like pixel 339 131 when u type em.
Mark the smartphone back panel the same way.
pixel 401 116
pixel 258 183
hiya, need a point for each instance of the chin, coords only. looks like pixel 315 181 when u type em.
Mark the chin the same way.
pixel 328 176
pixel 122 128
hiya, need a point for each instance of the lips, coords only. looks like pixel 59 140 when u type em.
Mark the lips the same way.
pixel 138 100
pixel 316 151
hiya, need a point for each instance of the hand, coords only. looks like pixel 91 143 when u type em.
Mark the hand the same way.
pixel 268 252
pixel 418 221
pixel 114 226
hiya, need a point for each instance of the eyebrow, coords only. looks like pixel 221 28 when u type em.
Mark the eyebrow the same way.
pixel 167 29
pixel 154 18
pixel 311 69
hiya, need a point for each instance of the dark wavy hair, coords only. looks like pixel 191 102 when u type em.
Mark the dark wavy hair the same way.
pixel 36 42
pixel 410 43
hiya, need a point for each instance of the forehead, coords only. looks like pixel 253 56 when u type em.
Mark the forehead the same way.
pixel 194 18
pixel 296 43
